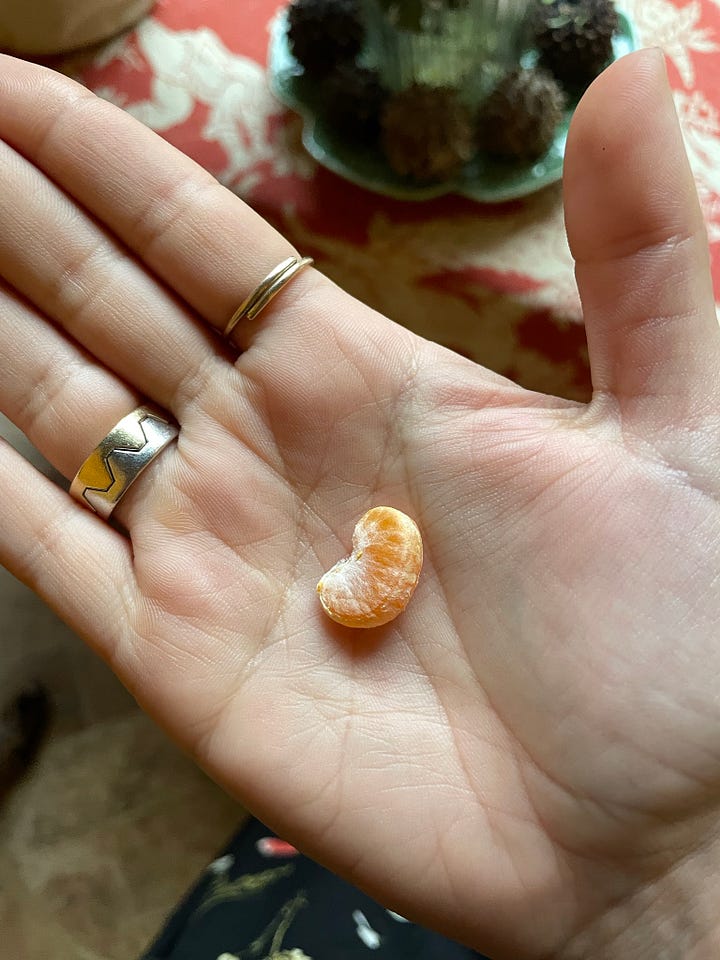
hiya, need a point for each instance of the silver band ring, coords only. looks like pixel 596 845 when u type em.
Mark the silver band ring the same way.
pixel 119 459
pixel 265 291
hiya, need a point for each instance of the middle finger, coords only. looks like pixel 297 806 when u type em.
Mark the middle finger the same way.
pixel 76 273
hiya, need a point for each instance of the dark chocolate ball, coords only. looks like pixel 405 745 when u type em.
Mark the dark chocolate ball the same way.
pixel 519 119
pixel 575 39
pixel 324 33
pixel 355 98
pixel 428 134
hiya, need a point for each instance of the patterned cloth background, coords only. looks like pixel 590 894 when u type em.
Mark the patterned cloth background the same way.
pixel 262 900
pixel 495 283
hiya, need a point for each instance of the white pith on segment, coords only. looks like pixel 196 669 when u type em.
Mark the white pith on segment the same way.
pixel 375 583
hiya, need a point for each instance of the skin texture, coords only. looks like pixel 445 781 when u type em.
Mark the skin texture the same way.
pixel 528 758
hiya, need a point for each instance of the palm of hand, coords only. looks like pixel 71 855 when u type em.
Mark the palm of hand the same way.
pixel 533 738
pixel 547 721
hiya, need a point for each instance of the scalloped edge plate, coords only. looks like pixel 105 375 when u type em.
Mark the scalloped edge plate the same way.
pixel 483 179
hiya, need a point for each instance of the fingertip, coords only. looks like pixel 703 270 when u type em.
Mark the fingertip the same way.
pixel 634 82
pixel 637 234
pixel 626 169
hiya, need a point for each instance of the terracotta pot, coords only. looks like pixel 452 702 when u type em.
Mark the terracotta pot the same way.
pixel 44 27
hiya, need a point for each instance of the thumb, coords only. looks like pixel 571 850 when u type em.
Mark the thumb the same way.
pixel 642 263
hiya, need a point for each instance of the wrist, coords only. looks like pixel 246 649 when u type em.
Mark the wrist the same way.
pixel 675 917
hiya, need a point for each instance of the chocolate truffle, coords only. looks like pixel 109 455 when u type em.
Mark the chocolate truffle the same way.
pixel 518 120
pixel 324 33
pixel 354 101
pixel 574 39
pixel 427 133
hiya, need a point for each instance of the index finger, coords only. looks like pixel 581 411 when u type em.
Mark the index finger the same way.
pixel 200 238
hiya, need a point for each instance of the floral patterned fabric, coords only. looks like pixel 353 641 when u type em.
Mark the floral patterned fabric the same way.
pixel 495 283
pixel 262 900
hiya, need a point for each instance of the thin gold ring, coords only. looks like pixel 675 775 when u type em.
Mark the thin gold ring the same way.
pixel 265 291
pixel 120 457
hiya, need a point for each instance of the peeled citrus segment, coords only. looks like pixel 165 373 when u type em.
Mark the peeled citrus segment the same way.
pixel 374 584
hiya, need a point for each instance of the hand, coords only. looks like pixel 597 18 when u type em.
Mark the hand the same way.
pixel 536 739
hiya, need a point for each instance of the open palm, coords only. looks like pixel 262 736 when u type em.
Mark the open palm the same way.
pixel 536 738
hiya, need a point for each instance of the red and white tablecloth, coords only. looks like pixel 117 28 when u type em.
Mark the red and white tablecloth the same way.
pixel 495 283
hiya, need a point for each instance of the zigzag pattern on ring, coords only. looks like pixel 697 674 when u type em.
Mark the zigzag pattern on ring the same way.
pixel 121 453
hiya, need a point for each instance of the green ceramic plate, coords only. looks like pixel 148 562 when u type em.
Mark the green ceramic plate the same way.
pixel 483 179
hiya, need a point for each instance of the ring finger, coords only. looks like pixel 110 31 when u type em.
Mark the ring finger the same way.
pixel 53 391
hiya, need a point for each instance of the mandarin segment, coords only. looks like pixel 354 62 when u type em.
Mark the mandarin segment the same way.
pixel 375 583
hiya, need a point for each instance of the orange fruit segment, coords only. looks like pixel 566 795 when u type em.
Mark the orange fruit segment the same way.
pixel 375 583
